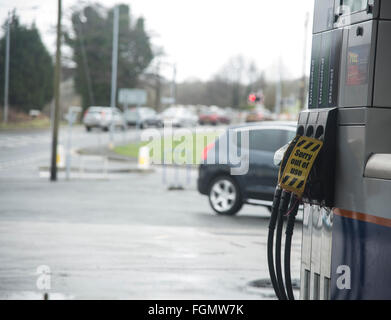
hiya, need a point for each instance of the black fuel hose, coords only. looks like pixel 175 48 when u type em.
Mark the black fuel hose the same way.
pixel 270 240
pixel 282 210
pixel 288 243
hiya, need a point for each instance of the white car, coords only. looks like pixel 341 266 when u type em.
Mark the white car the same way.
pixel 103 117
pixel 179 117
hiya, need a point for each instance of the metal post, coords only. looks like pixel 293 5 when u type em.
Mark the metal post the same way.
pixel 7 62
pixel 302 84
pixel 138 118
pixel 72 116
pixel 69 145
pixel 126 108
pixel 114 65
pixel 173 86
pixel 278 89
pixel 56 116
pixel 158 87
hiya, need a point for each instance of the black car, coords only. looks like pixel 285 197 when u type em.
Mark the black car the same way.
pixel 228 192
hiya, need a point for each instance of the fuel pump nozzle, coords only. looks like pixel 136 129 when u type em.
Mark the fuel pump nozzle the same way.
pixel 280 204
pixel 305 176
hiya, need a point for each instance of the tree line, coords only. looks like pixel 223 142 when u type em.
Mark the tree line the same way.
pixel 90 37
pixel 31 68
pixel 232 85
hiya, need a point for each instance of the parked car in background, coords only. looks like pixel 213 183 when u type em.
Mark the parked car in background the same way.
pixel 259 114
pixel 227 193
pixel 179 117
pixel 103 117
pixel 144 117
pixel 214 117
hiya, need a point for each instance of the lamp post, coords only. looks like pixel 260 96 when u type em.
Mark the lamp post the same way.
pixel 7 62
pixel 56 115
pixel 114 66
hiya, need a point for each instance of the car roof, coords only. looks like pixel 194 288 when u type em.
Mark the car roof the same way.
pixel 100 108
pixel 141 108
pixel 105 109
pixel 265 124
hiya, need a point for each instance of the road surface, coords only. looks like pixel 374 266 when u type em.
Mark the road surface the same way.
pixel 122 237
pixel 21 152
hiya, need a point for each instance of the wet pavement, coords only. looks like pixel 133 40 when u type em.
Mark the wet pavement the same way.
pixel 126 236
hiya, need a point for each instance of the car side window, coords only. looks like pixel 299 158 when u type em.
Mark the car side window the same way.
pixel 267 139
pixel 290 136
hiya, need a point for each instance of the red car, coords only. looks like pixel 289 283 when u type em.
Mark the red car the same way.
pixel 213 117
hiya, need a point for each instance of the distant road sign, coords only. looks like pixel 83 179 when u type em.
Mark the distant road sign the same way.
pixel 167 100
pixel 132 96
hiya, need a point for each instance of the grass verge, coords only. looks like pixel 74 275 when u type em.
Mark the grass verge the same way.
pixel 27 125
pixel 186 149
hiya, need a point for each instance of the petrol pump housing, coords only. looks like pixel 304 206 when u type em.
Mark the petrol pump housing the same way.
pixel 346 241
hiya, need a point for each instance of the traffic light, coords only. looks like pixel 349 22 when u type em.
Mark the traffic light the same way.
pixel 253 98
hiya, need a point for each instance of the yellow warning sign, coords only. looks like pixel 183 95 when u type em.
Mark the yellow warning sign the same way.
pixel 299 165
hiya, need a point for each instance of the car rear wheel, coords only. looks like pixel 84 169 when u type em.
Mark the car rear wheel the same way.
pixel 224 196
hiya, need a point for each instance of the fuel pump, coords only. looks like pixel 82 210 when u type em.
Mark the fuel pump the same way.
pixel 339 165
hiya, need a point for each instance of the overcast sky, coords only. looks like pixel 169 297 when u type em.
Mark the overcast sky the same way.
pixel 201 35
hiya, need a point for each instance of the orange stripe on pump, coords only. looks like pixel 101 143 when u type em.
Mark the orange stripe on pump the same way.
pixel 363 217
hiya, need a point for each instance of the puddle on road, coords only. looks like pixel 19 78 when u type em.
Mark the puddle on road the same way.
pixel 264 288
pixel 267 284
pixel 31 295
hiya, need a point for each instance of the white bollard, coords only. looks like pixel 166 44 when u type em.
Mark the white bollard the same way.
pixel 144 161
pixel 60 161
